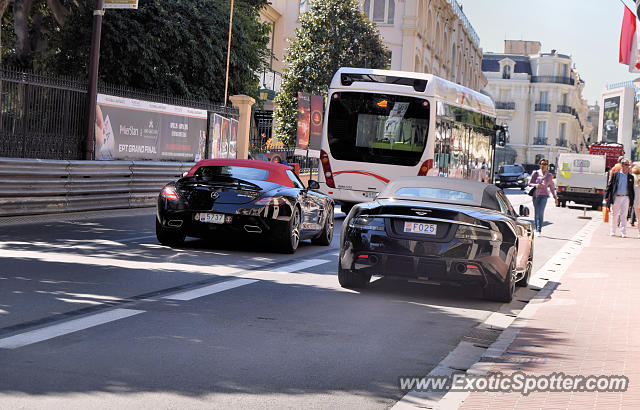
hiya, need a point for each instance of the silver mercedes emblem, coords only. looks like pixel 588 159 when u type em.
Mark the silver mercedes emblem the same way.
pixel 214 195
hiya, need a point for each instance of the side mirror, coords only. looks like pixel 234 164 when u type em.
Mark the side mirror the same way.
pixel 314 185
pixel 523 211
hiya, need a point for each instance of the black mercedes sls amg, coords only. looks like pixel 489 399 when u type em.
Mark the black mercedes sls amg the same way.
pixel 441 231
pixel 244 197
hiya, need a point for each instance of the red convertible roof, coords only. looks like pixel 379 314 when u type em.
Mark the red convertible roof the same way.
pixel 277 172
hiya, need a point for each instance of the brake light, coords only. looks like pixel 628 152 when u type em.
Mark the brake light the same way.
pixel 561 189
pixel 270 200
pixel 425 167
pixel 599 191
pixel 326 168
pixel 169 193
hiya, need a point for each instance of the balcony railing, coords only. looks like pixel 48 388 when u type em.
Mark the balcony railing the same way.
pixel 565 109
pixel 552 79
pixel 543 107
pixel 501 105
pixel 539 141
pixel 561 142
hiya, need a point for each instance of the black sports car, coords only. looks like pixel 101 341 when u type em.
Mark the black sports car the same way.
pixel 245 197
pixel 512 175
pixel 438 230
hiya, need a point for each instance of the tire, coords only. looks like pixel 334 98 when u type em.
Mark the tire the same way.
pixel 596 206
pixel 352 280
pixel 501 291
pixel 346 207
pixel 326 235
pixel 563 204
pixel 524 282
pixel 169 237
pixel 290 237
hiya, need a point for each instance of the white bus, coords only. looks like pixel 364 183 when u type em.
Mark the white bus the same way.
pixel 380 125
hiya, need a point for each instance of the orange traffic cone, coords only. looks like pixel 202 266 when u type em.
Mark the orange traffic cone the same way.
pixel 605 214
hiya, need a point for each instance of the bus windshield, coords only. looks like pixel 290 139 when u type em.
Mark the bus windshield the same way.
pixel 377 128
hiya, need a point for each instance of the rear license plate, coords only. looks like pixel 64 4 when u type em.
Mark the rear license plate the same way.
pixel 369 194
pixel 210 218
pixel 418 227
pixel 583 190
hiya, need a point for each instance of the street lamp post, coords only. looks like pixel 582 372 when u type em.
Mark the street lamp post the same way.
pixel 93 78
pixel 226 81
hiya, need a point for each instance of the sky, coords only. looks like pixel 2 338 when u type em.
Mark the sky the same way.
pixel 587 30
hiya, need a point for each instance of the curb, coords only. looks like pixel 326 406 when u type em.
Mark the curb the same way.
pixel 478 360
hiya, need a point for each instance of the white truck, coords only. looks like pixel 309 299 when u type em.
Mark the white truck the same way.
pixel 581 178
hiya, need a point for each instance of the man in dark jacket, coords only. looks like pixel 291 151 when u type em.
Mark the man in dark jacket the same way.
pixel 618 196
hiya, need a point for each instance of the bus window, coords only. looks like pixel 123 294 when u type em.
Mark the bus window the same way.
pixel 377 128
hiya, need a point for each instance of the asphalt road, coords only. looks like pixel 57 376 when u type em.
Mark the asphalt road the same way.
pixel 217 325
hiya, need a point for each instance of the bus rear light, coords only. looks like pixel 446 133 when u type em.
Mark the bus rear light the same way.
pixel 425 167
pixel 326 168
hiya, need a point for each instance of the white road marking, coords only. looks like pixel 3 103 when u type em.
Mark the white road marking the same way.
pixel 136 238
pixel 61 329
pixel 299 265
pixel 208 290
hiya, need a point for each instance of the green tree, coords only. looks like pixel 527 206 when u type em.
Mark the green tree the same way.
pixel 333 34
pixel 166 46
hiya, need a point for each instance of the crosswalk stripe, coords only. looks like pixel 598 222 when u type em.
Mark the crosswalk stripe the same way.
pixel 60 329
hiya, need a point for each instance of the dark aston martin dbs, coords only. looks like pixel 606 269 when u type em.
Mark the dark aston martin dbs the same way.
pixel 244 197
pixel 438 230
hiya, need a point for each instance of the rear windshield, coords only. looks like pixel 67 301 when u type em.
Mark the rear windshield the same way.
pixel 377 128
pixel 510 169
pixel 232 171
pixel 434 194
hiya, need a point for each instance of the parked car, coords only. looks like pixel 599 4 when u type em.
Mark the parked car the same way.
pixel 438 230
pixel 244 197
pixel 512 175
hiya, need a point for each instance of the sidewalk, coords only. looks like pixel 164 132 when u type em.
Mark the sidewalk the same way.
pixel 589 325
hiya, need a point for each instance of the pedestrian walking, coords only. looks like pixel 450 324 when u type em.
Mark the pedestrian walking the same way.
pixel 542 180
pixel 635 171
pixel 619 195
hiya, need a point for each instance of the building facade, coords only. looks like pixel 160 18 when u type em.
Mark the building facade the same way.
pixel 539 97
pixel 430 36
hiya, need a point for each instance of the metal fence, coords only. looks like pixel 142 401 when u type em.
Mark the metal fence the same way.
pixel 43 116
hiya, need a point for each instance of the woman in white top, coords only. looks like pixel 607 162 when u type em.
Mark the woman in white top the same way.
pixel 635 171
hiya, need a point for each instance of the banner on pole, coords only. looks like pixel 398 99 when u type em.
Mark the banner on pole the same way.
pixel 304 108
pixel 315 132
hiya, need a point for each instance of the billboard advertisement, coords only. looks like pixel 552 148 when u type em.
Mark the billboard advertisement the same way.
pixel 611 119
pixel 304 108
pixel 128 129
pixel 224 137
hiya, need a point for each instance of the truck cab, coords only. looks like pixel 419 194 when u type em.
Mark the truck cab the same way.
pixel 581 178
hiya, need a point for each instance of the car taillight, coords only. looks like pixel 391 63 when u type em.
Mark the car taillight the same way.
pixel 169 193
pixel 270 200
pixel 599 191
pixel 425 167
pixel 326 168
pixel 561 189
pixel 474 233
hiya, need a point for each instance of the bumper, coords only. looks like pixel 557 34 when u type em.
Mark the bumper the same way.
pixel 510 184
pixel 581 197
pixel 458 262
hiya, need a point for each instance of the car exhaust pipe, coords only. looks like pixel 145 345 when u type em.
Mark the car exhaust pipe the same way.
pixel 175 223
pixel 373 259
pixel 460 268
pixel 252 229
